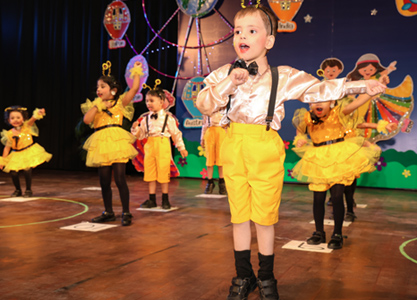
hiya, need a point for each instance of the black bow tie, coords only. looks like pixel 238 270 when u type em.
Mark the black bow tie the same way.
pixel 154 116
pixel 316 120
pixel 16 138
pixel 252 68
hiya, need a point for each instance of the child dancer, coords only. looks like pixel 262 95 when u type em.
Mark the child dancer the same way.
pixel 333 159
pixel 20 152
pixel 253 154
pixel 212 136
pixel 158 126
pixel 110 146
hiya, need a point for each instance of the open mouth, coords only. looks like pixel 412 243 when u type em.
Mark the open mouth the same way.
pixel 319 109
pixel 243 47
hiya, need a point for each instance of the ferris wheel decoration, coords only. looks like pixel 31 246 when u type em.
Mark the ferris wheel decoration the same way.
pixel 195 9
pixel 116 21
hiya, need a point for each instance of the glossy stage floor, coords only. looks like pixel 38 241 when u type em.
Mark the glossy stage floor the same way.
pixel 186 254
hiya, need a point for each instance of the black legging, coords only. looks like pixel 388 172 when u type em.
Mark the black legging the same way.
pixel 105 174
pixel 349 192
pixel 336 192
pixel 28 179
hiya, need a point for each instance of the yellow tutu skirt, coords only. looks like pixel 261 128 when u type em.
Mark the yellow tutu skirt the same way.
pixel 108 146
pixel 338 163
pixel 29 158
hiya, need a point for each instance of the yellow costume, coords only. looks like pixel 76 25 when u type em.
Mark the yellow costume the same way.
pixel 25 154
pixel 334 155
pixel 213 135
pixel 110 143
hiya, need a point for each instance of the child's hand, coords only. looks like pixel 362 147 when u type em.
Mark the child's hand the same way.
pixel 184 153
pixel 1 167
pixel 135 128
pixel 239 76
pixel 300 143
pixel 42 111
pixel 374 87
pixel 392 66
pixel 384 79
pixel 202 143
pixel 391 127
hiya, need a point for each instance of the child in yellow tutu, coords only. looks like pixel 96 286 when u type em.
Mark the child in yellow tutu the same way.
pixel 110 146
pixel 333 158
pixel 212 136
pixel 158 126
pixel 20 152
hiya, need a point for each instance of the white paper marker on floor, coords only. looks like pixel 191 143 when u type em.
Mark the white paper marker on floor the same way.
pixel 19 199
pixel 211 196
pixel 303 246
pixel 87 226
pixel 92 188
pixel 157 209
pixel 331 222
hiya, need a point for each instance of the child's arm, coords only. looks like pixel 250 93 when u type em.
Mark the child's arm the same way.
pixel 203 130
pixel 138 129
pixel 300 139
pixel 90 114
pixel 136 72
pixel 37 115
pixel 176 136
pixel 6 152
pixel 381 126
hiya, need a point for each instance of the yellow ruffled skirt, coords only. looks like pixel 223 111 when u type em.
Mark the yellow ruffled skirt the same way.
pixel 29 158
pixel 338 163
pixel 108 146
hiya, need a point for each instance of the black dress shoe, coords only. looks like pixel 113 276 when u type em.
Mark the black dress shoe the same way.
pixel 126 218
pixel 209 188
pixel 16 193
pixel 166 204
pixel 317 238
pixel 336 242
pixel 241 288
pixel 268 289
pixel 350 217
pixel 148 204
pixel 222 188
pixel 104 217
pixel 28 194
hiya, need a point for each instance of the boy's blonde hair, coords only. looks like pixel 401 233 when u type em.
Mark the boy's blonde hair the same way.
pixel 264 12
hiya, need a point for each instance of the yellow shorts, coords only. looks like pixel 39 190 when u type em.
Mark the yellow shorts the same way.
pixel 157 159
pixel 213 139
pixel 253 164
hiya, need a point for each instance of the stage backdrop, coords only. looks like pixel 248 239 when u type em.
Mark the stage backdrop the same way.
pixel 323 29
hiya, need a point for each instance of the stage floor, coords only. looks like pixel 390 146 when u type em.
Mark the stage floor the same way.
pixel 187 254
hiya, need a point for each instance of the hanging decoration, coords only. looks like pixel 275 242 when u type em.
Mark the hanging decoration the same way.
pixel 407 8
pixel 189 97
pixel 116 21
pixel 145 70
pixel 196 8
pixel 285 10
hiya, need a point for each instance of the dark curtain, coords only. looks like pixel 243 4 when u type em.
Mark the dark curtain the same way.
pixel 52 54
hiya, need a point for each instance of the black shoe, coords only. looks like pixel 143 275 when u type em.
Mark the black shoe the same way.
pixel 317 238
pixel 241 288
pixel 222 188
pixel 126 218
pixel 16 193
pixel 350 216
pixel 166 204
pixel 28 194
pixel 268 289
pixel 209 188
pixel 148 204
pixel 336 242
pixel 104 217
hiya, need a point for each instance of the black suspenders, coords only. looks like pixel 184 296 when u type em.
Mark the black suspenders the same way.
pixel 272 96
pixel 163 127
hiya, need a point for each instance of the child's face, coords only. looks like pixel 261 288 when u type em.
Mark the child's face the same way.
pixel 321 109
pixel 16 119
pixel 154 103
pixel 367 71
pixel 251 40
pixel 332 72
pixel 103 90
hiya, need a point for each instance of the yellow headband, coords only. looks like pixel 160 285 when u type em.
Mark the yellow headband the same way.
pixel 243 4
pixel 157 82
pixel 107 66
pixel 18 109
